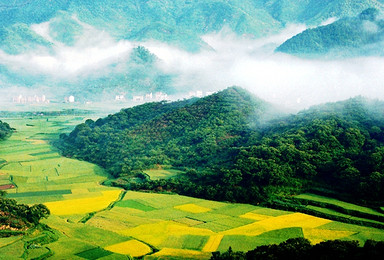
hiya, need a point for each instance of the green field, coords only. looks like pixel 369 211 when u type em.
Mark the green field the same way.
pixel 94 221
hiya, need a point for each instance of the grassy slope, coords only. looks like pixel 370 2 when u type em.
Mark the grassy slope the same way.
pixel 168 224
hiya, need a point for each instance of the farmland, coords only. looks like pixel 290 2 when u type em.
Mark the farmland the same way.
pixel 92 221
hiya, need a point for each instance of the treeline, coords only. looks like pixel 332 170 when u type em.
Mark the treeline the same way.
pixel 228 153
pixel 301 248
pixel 5 130
pixel 16 218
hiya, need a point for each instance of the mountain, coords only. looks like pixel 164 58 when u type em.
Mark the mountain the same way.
pixel 313 12
pixel 361 35
pixel 181 22
pixel 229 152
pixel 85 45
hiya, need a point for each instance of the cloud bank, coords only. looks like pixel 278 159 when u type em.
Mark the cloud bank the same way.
pixel 279 78
pixel 92 53
pixel 230 60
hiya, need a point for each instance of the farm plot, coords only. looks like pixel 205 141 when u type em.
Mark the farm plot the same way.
pixel 34 166
pixel 157 174
pixel 345 205
pixel 243 227
pixel 83 206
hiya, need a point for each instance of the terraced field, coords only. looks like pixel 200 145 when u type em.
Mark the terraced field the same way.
pixel 97 222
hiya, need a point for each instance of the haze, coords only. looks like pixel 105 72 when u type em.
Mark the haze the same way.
pixel 228 60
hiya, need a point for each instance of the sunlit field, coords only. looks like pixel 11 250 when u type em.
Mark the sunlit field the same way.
pixel 99 222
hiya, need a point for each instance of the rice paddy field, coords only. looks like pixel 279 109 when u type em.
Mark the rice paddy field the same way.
pixel 93 221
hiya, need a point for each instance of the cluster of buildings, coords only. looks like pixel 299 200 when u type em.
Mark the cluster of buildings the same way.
pixel 158 96
pixel 30 99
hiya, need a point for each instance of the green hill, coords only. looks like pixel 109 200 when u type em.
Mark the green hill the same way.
pixel 184 133
pixel 228 154
pixel 314 12
pixel 345 37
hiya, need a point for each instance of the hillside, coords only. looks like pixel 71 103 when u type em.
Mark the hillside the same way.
pixel 313 12
pixel 188 133
pixel 361 35
pixel 228 155
pixel 179 22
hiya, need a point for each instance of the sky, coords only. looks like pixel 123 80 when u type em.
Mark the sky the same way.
pixel 231 60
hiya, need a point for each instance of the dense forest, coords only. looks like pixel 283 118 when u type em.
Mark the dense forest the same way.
pixel 301 248
pixel 232 146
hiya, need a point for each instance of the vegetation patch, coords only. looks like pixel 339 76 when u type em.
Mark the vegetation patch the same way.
pixel 132 247
pixel 193 208
pixel 188 221
pixel 94 253
pixel 179 253
pixel 254 216
pixel 134 205
pixel 213 243
pixel 281 222
pixel 317 235
pixel 39 193
pixel 82 206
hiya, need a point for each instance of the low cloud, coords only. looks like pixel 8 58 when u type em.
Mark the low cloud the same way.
pixel 276 77
pixel 228 60
pixel 92 53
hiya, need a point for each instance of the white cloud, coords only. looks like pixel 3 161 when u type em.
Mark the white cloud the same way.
pixel 276 77
pixel 94 51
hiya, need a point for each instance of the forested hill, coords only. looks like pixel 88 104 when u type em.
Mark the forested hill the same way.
pixel 194 133
pixel 361 35
pixel 227 155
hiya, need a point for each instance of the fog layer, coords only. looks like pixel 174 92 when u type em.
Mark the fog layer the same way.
pixel 230 60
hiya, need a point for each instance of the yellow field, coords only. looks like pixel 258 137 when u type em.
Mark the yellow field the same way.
pixel 180 253
pixel 319 235
pixel 274 223
pixel 132 247
pixel 82 206
pixel 213 243
pixel 36 141
pixel 156 233
pixel 193 208
pixel 254 216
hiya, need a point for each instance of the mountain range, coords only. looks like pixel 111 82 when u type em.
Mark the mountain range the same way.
pixel 49 45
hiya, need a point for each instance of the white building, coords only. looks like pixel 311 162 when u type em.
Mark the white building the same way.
pixel 71 99
pixel 120 97
pixel 138 98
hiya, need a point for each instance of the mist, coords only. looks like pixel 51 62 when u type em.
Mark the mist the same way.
pixel 279 78
pixel 228 60
pixel 92 53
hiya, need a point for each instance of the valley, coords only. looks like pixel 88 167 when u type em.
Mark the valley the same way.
pixel 93 221
pixel 191 129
